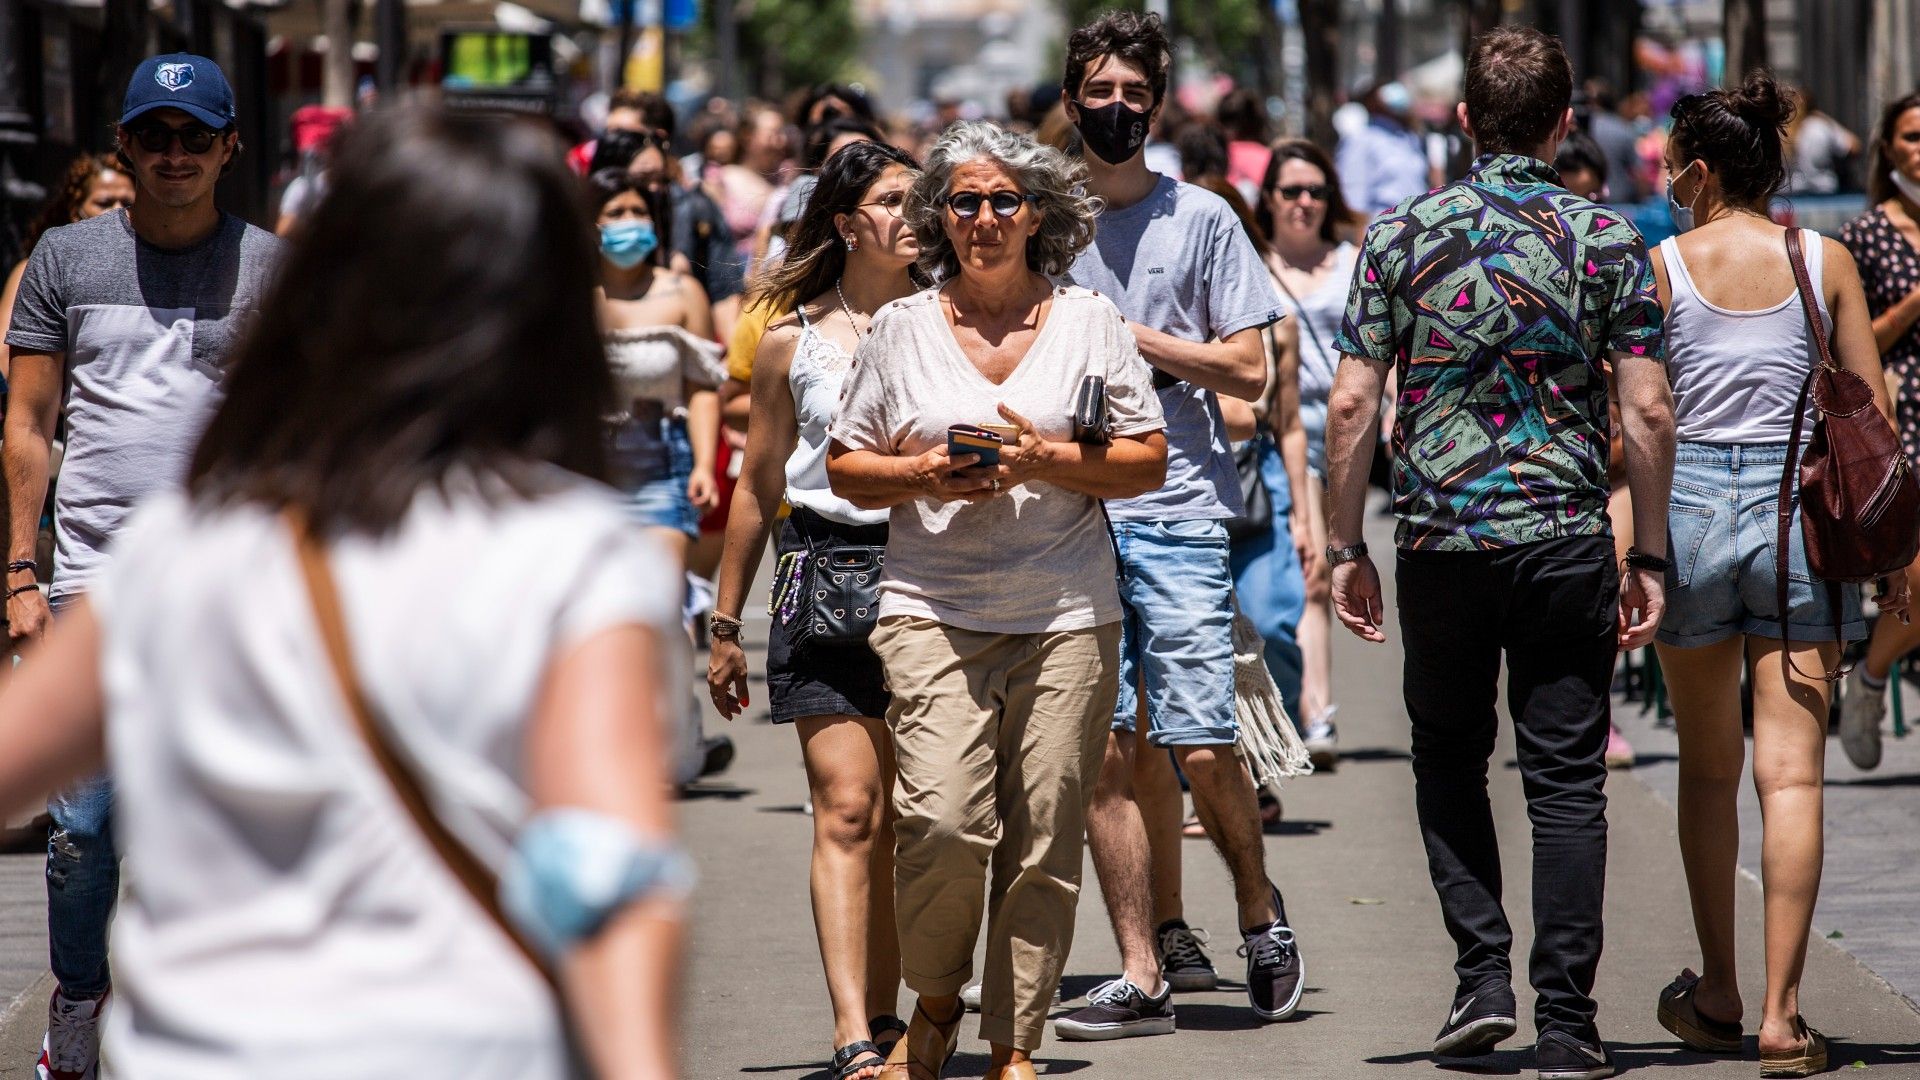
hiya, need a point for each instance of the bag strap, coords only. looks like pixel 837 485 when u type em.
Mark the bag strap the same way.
pixel 1803 284
pixel 473 875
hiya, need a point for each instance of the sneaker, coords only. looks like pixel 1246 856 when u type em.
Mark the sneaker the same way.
pixel 1118 1010
pixel 71 1049
pixel 1619 750
pixel 716 754
pixel 1479 1021
pixel 1276 975
pixel 1861 710
pixel 1562 1056
pixel 1322 740
pixel 970 997
pixel 1183 957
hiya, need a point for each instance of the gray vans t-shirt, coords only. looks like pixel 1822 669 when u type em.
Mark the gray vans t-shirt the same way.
pixel 1179 261
pixel 147 333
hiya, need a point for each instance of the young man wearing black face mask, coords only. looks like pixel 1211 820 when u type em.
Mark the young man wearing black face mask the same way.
pixel 1176 261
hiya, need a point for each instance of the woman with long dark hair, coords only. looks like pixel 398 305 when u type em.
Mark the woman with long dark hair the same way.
pixel 658 333
pixel 1300 215
pixel 1739 348
pixel 1885 242
pixel 850 255
pixel 390 570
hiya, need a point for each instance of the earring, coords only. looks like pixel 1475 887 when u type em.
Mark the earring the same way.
pixel 852 244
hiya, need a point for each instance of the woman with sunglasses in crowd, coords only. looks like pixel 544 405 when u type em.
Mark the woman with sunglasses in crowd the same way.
pixel 850 255
pixel 999 616
pixel 1301 213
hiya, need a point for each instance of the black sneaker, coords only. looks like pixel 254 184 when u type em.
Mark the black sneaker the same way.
pixel 1183 957
pixel 1479 1021
pixel 1276 975
pixel 1118 1010
pixel 1562 1056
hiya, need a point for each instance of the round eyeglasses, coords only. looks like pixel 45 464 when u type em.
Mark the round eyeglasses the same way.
pixel 893 202
pixel 966 204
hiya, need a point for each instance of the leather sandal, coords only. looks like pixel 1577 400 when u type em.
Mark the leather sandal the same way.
pixel 885 1030
pixel 855 1058
pixel 1019 1070
pixel 923 1052
pixel 1808 1058
pixel 1699 1033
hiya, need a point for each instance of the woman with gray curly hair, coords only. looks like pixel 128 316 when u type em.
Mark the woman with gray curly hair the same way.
pixel 999 617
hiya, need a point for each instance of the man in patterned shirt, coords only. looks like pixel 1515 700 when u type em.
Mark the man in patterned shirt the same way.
pixel 1500 299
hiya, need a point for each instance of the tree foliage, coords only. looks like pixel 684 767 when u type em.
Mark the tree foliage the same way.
pixel 793 43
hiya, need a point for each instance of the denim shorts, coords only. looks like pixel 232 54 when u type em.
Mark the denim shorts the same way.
pixel 652 460
pixel 1313 421
pixel 1722 528
pixel 1177 631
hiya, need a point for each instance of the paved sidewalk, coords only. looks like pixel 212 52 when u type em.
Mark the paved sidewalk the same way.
pixel 1350 862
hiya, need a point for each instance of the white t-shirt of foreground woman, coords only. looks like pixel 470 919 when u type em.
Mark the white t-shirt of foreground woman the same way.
pixel 1037 559
pixel 284 916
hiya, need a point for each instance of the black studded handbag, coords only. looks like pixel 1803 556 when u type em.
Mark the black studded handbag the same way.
pixel 839 597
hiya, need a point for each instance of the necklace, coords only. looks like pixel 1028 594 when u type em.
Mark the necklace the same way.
pixel 848 308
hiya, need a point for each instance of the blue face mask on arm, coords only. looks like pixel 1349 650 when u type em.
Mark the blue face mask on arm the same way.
pixel 626 244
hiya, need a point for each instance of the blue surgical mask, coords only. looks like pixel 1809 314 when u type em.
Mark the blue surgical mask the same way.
pixel 1682 215
pixel 1907 187
pixel 626 244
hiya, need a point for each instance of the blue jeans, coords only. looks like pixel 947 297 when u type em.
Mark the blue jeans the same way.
pixel 1176 632
pixel 651 462
pixel 1269 582
pixel 83 881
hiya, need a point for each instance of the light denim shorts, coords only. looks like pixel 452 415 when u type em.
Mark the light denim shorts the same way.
pixel 652 460
pixel 1722 526
pixel 1176 634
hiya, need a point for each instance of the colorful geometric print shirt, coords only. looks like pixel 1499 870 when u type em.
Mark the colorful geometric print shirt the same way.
pixel 1498 298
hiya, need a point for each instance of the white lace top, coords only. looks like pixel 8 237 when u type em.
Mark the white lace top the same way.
pixel 819 368
pixel 650 363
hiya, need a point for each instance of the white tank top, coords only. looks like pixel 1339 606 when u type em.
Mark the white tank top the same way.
pixel 1737 374
pixel 819 368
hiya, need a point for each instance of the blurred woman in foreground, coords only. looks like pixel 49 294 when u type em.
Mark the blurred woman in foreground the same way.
pixel 341 606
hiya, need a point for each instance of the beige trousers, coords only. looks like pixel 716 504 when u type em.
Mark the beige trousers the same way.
pixel 998 740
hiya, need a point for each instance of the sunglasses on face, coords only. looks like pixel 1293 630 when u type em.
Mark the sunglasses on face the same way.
pixel 966 204
pixel 1292 192
pixel 194 138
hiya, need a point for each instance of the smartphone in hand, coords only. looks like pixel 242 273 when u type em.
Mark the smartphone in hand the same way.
pixel 973 439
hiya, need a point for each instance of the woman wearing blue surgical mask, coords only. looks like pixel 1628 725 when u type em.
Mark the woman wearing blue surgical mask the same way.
pixel 658 331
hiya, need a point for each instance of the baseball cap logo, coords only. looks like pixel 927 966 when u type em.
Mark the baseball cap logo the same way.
pixel 174 76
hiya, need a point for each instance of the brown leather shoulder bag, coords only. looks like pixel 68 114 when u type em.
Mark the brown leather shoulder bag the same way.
pixel 1859 502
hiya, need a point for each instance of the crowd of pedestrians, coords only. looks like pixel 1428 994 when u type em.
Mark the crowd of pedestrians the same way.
pixel 1030 421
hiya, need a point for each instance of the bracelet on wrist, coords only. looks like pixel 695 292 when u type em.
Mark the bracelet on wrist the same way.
pixel 30 586
pixel 19 565
pixel 1640 560
pixel 723 627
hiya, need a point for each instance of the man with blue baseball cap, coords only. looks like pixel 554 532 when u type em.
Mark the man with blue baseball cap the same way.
pixel 121 328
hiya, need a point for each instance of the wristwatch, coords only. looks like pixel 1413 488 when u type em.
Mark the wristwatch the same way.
pixel 1336 556
pixel 1640 560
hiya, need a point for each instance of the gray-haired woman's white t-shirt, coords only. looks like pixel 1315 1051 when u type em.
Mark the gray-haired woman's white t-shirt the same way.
pixel 1037 558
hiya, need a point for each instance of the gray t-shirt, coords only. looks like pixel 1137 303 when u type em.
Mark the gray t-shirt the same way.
pixel 1037 558
pixel 147 332
pixel 1179 262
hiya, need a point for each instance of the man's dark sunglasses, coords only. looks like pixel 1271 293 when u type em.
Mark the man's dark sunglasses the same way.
pixel 1005 203
pixel 1290 192
pixel 194 138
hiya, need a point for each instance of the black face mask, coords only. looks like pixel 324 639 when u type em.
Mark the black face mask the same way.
pixel 1114 132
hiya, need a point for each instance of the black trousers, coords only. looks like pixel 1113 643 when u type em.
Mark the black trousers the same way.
pixel 1549 607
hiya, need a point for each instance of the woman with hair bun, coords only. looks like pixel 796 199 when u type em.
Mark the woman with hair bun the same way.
pixel 1738 350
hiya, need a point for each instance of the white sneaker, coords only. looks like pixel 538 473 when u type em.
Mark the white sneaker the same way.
pixel 1861 710
pixel 1322 740
pixel 970 997
pixel 71 1049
